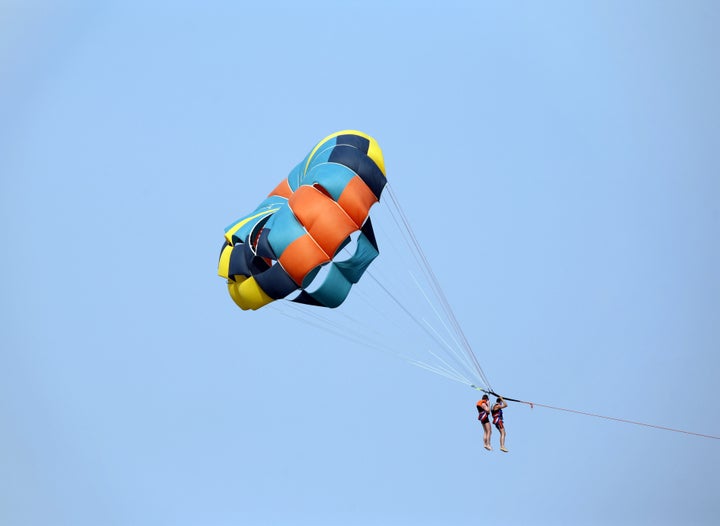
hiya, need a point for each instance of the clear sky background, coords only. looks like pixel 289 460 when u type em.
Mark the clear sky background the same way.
pixel 558 162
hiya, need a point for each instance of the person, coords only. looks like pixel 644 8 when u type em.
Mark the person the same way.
pixel 483 407
pixel 497 417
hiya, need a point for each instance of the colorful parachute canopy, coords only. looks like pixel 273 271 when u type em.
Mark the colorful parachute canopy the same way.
pixel 293 239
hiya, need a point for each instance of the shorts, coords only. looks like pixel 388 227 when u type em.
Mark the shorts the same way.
pixel 499 425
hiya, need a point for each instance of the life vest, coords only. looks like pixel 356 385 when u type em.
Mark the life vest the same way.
pixel 482 413
pixel 497 415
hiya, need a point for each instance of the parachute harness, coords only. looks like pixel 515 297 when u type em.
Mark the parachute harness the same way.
pixel 315 228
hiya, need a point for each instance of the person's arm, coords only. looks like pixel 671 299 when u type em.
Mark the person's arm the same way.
pixel 504 403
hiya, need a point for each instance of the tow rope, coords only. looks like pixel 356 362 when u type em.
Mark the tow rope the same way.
pixel 585 413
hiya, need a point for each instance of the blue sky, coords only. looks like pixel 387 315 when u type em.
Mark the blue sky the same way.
pixel 558 162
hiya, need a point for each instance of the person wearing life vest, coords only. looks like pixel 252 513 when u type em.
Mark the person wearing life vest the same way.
pixel 483 407
pixel 497 418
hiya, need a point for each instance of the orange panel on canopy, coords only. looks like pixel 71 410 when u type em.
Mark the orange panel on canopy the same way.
pixel 282 190
pixel 325 221
pixel 301 256
pixel 356 200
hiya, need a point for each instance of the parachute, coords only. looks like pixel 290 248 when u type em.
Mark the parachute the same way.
pixel 292 241
pixel 311 242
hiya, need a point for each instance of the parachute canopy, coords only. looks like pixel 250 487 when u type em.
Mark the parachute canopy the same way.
pixel 293 239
